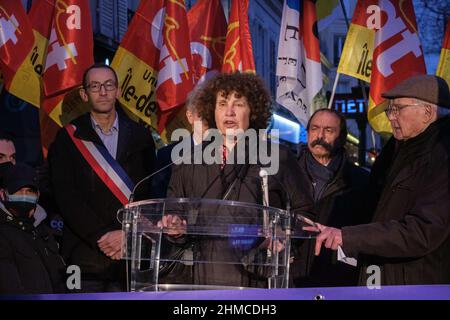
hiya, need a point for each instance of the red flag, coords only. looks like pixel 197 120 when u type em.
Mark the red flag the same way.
pixel 136 62
pixel 175 79
pixel 155 57
pixel 397 55
pixel 207 29
pixel 69 52
pixel 63 51
pixel 16 39
pixel 238 45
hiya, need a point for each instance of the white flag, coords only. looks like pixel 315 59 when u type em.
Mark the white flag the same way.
pixel 298 67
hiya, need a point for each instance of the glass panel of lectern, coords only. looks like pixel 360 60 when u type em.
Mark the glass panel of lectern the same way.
pixel 188 244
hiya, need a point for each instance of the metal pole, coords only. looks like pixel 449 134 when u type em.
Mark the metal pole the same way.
pixel 336 80
pixel 361 84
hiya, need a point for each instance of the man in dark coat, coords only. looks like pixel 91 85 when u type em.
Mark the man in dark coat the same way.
pixel 234 103
pixel 338 188
pixel 408 240
pixel 29 258
pixel 92 236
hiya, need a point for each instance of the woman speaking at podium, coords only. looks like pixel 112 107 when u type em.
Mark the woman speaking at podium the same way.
pixel 237 107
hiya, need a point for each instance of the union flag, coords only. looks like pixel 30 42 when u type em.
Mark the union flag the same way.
pixel 382 47
pixel 207 30
pixel 16 44
pixel 238 44
pixel 154 62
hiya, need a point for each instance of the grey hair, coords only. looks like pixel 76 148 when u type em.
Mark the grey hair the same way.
pixel 192 99
pixel 440 111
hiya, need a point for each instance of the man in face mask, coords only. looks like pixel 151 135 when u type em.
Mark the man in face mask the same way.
pixel 8 159
pixel 7 154
pixel 20 194
pixel 29 262
pixel 337 186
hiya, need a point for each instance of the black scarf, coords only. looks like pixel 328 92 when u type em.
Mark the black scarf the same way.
pixel 322 175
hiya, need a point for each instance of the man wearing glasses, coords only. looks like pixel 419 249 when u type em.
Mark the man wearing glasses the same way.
pixel 408 240
pixel 94 163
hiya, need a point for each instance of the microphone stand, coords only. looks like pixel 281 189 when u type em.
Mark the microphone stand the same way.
pixel 286 225
pixel 265 188
pixel 131 199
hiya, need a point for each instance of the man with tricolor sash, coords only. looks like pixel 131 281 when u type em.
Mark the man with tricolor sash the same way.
pixel 95 163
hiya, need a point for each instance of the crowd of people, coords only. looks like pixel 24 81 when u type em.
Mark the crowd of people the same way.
pixel 397 217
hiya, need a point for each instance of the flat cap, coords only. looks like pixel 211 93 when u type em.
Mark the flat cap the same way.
pixel 428 88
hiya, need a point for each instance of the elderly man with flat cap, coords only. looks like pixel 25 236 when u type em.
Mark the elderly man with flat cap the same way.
pixel 409 236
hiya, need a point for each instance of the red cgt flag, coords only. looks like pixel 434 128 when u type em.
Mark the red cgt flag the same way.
pixel 397 54
pixel 207 29
pixel 238 45
pixel 136 62
pixel 154 62
pixel 16 39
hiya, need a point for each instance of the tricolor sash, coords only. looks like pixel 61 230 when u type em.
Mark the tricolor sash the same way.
pixel 105 166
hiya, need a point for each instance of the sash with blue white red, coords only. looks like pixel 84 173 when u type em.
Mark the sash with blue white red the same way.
pixel 105 166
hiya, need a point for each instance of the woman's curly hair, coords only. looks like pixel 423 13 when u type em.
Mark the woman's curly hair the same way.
pixel 247 85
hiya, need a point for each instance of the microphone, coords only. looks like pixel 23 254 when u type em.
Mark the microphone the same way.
pixel 151 175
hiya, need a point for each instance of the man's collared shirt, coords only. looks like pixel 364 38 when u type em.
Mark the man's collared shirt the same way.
pixel 110 138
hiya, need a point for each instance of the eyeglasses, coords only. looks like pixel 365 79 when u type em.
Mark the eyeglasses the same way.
pixel 395 109
pixel 97 86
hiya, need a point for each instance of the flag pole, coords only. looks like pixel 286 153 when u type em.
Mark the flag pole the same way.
pixel 336 80
pixel 361 83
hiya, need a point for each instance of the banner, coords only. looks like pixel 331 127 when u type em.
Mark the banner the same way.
pixel 238 44
pixel 298 67
pixel 443 69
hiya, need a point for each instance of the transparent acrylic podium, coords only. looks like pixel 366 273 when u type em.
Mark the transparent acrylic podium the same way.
pixel 216 244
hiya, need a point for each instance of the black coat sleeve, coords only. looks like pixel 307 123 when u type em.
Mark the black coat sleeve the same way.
pixel 296 184
pixel 422 229
pixel 9 274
